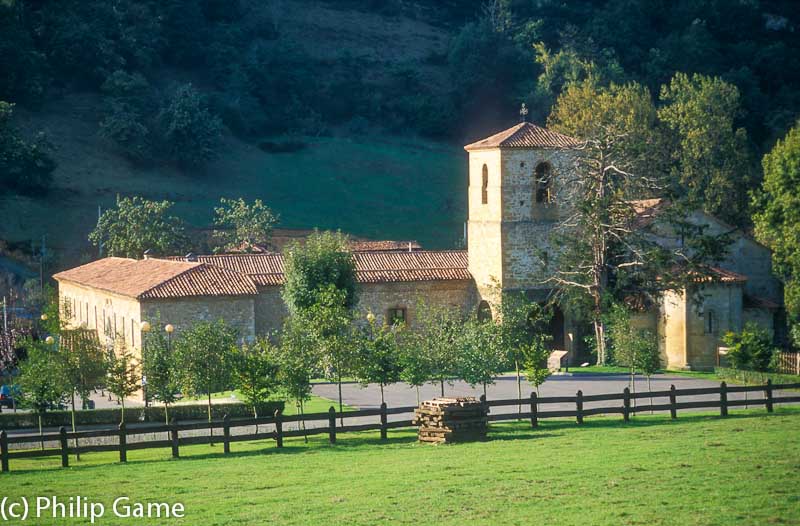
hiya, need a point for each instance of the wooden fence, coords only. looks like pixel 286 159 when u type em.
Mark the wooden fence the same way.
pixel 788 363
pixel 532 405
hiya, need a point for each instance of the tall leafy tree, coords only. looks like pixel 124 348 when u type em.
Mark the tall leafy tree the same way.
pixel 84 365
pixel 297 363
pixel 320 291
pixel 243 226
pixel 205 352
pixel 436 334
pixel 603 198
pixel 254 372
pixel 161 369
pixel 323 261
pixel 712 160
pixel 136 225
pixel 42 379
pixel 190 132
pixel 777 220
pixel 480 356
pixel 536 354
pixel 122 373
pixel 378 359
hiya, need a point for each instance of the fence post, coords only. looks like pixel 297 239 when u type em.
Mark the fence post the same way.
pixel 332 425
pixel 384 420
pixel 226 434
pixel 534 410
pixel 626 404
pixel 173 433
pixel 4 450
pixel 579 407
pixel 673 408
pixel 123 443
pixel 723 399
pixel 768 396
pixel 279 427
pixel 64 448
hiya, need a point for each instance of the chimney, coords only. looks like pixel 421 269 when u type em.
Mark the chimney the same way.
pixel 146 254
pixel 192 257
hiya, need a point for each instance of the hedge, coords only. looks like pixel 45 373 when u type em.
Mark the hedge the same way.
pixel 10 420
pixel 754 377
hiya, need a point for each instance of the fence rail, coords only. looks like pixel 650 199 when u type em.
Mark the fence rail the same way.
pixel 531 404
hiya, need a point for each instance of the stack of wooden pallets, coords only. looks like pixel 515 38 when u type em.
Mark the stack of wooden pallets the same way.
pixel 446 420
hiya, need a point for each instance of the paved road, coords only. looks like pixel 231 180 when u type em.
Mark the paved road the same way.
pixel 506 387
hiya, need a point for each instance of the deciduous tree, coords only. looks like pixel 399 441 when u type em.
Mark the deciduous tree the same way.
pixel 136 225
pixel 243 226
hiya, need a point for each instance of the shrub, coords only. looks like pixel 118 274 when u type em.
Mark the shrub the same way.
pixel 25 167
pixel 189 132
pixel 750 349
pixel 135 414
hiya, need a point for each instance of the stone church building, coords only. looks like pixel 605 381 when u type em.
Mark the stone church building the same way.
pixel 514 199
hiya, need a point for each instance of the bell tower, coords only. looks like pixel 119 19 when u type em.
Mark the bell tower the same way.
pixel 514 201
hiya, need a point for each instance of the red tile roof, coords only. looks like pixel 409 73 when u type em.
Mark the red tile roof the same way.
pixel 158 278
pixel 371 267
pixel 525 135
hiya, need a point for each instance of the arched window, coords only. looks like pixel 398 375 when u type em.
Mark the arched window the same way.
pixel 484 311
pixel 485 185
pixel 544 183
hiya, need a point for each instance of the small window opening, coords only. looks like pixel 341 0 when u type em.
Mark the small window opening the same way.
pixel 396 316
pixel 544 183
pixel 485 185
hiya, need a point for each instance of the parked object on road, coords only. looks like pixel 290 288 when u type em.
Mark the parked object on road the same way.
pixel 8 396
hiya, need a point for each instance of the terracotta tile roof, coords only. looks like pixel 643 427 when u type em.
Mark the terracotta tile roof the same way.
pixel 756 302
pixel 158 278
pixel 719 275
pixel 384 246
pixel 525 135
pixel 371 267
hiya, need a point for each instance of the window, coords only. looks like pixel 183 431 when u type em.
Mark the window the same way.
pixel 711 322
pixel 396 316
pixel 544 183
pixel 485 185
pixel 484 311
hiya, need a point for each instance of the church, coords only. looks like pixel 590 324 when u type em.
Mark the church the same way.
pixel 514 201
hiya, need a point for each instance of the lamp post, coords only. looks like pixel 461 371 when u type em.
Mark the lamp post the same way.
pixel 145 326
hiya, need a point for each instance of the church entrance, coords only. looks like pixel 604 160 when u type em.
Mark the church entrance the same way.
pixel 556 329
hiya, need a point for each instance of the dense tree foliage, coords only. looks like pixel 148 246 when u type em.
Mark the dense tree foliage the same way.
pixel 243 226
pixel 137 225
pixel 25 166
pixel 324 261
pixel 778 219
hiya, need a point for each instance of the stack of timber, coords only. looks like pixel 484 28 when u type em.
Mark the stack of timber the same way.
pixel 446 420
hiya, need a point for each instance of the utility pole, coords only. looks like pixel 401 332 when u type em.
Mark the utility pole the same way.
pixel 100 244
pixel 42 255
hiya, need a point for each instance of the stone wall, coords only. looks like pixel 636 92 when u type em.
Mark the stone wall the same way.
pixel 112 315
pixel 379 297
pixel 722 304
pixel 483 228
pixel 270 310
pixel 182 313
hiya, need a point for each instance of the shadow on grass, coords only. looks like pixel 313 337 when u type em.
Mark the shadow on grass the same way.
pixel 498 431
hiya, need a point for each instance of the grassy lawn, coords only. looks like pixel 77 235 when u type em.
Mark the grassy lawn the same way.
pixel 316 404
pixel 698 470
pixel 613 369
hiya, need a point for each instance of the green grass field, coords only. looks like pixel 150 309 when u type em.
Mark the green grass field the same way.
pixel 698 470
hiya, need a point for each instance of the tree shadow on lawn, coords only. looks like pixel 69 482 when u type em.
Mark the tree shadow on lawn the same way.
pixel 498 431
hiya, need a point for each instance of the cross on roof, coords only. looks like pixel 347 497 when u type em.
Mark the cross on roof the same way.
pixel 523 113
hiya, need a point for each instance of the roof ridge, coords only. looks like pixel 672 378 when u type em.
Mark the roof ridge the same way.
pixel 168 280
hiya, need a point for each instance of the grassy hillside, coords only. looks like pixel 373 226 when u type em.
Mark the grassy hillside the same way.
pixel 377 186
pixel 698 470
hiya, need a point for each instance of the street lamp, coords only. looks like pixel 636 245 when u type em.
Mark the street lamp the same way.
pixel 145 326
pixel 169 328
pixel 49 340
pixel 43 317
